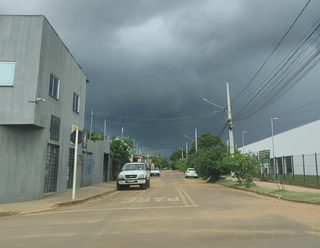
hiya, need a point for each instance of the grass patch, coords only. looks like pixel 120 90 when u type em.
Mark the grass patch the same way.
pixel 307 179
pixel 301 196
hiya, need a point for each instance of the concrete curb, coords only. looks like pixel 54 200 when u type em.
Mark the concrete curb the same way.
pixel 58 205
pixel 8 213
pixel 74 202
pixel 279 197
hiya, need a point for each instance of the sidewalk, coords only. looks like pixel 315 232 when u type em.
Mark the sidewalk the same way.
pixel 269 185
pixel 57 200
pixel 274 186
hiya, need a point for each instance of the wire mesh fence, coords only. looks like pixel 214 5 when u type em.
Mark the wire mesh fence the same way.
pixel 298 169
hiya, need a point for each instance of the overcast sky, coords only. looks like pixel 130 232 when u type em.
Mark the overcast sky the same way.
pixel 157 59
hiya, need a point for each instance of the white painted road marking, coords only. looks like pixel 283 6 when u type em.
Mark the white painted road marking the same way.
pixel 174 199
pixel 107 209
pixel 182 194
pixel 158 199
pixel 144 199
pixel 129 200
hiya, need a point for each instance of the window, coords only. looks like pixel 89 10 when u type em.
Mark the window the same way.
pixel 76 102
pixel 54 86
pixel 7 73
pixel 54 128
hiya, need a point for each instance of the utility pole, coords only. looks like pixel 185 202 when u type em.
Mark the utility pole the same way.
pixel 229 121
pixel 196 138
pixel 243 132
pixel 181 152
pixel 75 160
pixel 122 133
pixel 186 150
pixel 137 149
pixel 91 122
pixel 105 129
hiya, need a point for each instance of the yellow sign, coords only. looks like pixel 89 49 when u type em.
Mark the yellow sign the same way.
pixel 74 128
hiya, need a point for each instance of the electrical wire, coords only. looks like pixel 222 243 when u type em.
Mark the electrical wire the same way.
pixel 272 51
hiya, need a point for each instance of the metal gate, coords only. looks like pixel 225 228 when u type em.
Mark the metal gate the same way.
pixel 70 169
pixel 86 170
pixel 51 170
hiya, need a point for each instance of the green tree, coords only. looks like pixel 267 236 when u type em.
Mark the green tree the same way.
pixel 121 151
pixel 177 154
pixel 156 160
pixel 94 136
pixel 244 166
pixel 206 163
pixel 164 162
pixel 182 164
pixel 206 141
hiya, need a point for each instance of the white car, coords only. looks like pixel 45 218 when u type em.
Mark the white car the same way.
pixel 155 172
pixel 134 174
pixel 190 173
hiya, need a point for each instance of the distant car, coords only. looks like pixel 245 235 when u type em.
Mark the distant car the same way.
pixel 190 173
pixel 134 174
pixel 155 172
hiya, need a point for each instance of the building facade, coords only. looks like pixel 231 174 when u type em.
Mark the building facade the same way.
pixel 42 92
pixel 296 151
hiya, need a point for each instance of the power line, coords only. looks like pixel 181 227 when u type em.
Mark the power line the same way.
pixel 290 73
pixel 194 116
pixel 272 51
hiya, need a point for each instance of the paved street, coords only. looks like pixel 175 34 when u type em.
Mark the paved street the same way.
pixel 173 212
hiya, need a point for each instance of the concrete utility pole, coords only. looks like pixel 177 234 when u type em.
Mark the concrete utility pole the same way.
pixel 105 129
pixel 186 149
pixel 229 121
pixel 196 138
pixel 243 132
pixel 91 122
pixel 122 133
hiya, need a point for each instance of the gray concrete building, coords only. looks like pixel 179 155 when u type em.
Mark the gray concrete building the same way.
pixel 42 100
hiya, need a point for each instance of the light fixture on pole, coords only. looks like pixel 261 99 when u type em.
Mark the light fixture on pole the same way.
pixel 243 132
pixel 195 141
pixel 273 154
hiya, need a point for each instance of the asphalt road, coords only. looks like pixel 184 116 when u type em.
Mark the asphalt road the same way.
pixel 173 212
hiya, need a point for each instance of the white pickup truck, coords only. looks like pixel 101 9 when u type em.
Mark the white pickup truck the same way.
pixel 134 174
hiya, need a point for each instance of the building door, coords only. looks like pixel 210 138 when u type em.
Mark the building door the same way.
pixel 86 170
pixel 70 169
pixel 51 170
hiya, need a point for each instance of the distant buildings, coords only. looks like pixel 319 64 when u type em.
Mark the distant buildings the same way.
pixel 42 100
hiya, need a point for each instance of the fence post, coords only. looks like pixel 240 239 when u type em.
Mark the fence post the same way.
pixel 316 160
pixel 292 164
pixel 304 169
pixel 283 169
pixel 276 167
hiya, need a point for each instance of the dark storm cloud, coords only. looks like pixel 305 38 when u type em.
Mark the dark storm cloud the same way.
pixel 158 59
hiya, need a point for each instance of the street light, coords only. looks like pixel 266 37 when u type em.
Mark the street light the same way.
pixel 188 138
pixel 243 132
pixel 274 157
pixel 204 99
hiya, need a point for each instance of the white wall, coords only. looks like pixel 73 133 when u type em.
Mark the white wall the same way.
pixel 301 140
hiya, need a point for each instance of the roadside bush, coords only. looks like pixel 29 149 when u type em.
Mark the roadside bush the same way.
pixel 182 164
pixel 206 163
pixel 244 166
